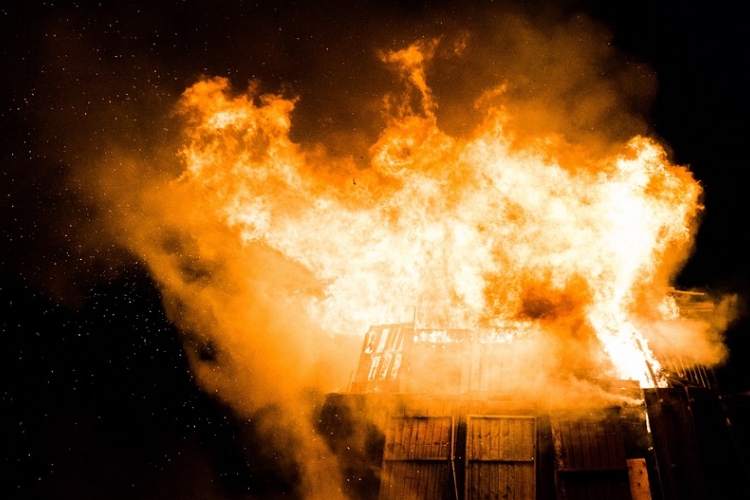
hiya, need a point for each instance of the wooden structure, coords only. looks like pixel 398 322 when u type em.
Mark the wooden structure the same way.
pixel 500 456
pixel 418 457
pixel 590 460
pixel 405 436
pixel 401 358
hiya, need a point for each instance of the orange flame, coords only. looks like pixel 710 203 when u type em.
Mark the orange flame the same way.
pixel 472 231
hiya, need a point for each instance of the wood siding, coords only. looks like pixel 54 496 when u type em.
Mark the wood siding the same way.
pixel 500 453
pixel 590 456
pixel 417 459
pixel 676 446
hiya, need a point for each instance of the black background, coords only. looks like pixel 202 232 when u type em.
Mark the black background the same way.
pixel 97 397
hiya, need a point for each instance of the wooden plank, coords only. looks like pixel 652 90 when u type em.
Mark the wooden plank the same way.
pixel 605 445
pixel 616 444
pixel 638 475
pixel 611 443
pixel 573 441
pixel 567 454
pixel 418 445
pixel 585 427
pixel 500 457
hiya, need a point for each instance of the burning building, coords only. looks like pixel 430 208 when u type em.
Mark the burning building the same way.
pixel 491 169
pixel 437 414
pixel 556 361
pixel 563 365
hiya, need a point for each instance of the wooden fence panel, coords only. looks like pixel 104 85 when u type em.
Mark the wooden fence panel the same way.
pixel 590 458
pixel 500 453
pixel 417 458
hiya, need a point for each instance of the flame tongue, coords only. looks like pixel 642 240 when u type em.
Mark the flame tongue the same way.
pixel 471 230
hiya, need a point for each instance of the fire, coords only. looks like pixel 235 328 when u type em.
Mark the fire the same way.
pixel 471 231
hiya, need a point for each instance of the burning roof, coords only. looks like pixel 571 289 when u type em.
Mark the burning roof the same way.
pixel 401 358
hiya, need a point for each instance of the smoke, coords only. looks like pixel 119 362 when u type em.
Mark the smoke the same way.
pixel 697 334
pixel 559 78
pixel 246 332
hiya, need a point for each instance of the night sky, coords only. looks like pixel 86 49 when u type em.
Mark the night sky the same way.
pixel 97 398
